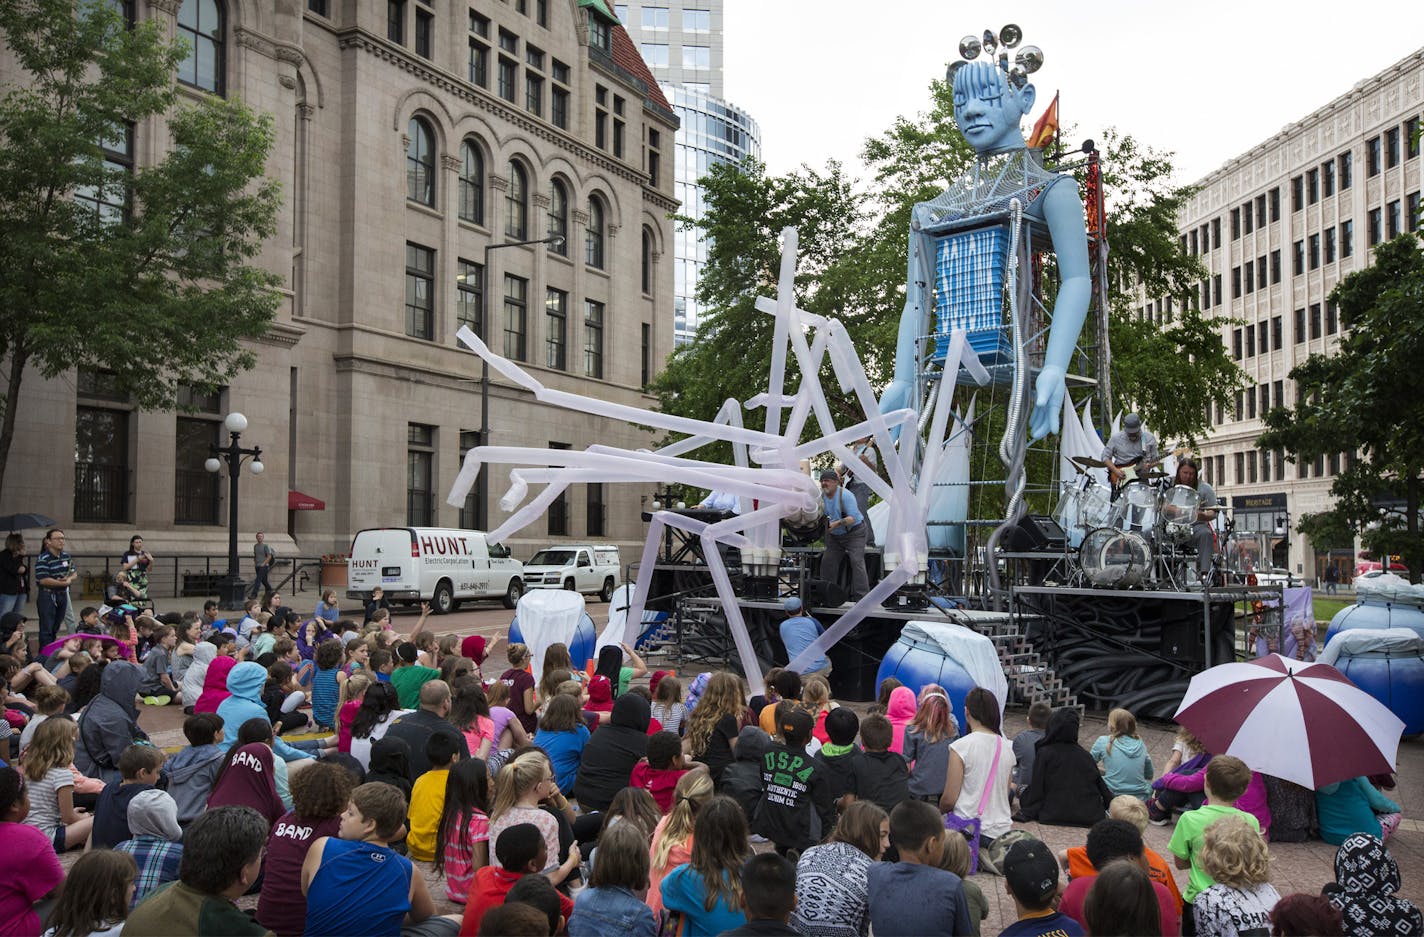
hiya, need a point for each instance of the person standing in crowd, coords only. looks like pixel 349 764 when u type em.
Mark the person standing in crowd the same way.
pixel 14 575
pixel 135 563
pixel 845 535
pixel 263 556
pixel 54 573
pixel 864 450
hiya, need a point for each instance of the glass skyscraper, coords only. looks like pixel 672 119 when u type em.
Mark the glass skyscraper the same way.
pixel 681 40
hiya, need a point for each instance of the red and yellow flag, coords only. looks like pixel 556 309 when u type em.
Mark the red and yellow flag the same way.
pixel 1045 127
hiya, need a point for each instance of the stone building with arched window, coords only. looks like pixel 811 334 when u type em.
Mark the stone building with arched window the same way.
pixel 411 137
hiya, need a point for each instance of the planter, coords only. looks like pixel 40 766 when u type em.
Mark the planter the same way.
pixel 334 574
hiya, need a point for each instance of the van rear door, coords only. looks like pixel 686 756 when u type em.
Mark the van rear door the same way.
pixel 384 557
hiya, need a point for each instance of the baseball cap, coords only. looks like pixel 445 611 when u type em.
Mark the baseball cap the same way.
pixel 829 474
pixel 1031 872
pixel 1132 422
pixel 796 724
pixel 792 604
pixel 407 652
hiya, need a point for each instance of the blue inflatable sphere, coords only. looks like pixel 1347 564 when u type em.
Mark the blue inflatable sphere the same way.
pixel 1394 679
pixel 1369 612
pixel 916 664
pixel 581 646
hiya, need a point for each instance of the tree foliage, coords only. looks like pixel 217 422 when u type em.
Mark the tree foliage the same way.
pixel 160 288
pixel 1363 402
pixel 746 211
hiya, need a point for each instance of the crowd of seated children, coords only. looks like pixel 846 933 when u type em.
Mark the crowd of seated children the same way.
pixel 847 804
pixel 1067 789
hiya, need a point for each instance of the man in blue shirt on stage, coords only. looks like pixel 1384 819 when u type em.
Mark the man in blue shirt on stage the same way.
pixel 797 633
pixel 845 535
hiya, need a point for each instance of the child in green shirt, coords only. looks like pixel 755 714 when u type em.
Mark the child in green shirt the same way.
pixel 1226 780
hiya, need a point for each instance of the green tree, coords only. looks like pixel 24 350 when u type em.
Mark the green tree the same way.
pixel 147 273
pixel 746 210
pixel 1362 401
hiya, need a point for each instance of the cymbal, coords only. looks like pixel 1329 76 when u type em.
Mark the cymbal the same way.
pixel 1156 475
pixel 1087 462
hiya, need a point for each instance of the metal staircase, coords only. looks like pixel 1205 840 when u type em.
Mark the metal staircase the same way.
pixel 1031 679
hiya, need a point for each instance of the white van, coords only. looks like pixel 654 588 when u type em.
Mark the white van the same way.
pixel 439 565
pixel 577 567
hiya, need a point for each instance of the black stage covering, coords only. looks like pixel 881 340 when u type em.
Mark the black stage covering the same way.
pixel 1134 650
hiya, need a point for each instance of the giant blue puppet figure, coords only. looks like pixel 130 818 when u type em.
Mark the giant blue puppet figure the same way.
pixel 960 244
pixel 989 102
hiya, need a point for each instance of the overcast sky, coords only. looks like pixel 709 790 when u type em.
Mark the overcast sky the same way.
pixel 1205 79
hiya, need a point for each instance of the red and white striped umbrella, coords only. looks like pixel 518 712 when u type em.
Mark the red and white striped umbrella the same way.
pixel 1301 721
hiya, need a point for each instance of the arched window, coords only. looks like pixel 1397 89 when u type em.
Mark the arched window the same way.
pixel 472 183
pixel 593 235
pixel 647 261
pixel 516 225
pixel 201 23
pixel 420 163
pixel 559 217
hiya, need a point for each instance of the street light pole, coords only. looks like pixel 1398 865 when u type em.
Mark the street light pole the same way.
pixel 482 485
pixel 233 590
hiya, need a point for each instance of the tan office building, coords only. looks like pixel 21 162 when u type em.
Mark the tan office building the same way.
pixel 411 135
pixel 1277 227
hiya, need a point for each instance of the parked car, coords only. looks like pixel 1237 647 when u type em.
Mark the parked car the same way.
pixel 1275 576
pixel 578 567
pixel 442 566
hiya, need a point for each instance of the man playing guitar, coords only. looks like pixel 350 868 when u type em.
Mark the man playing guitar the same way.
pixel 1129 453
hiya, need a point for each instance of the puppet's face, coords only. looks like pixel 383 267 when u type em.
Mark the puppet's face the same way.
pixel 988 109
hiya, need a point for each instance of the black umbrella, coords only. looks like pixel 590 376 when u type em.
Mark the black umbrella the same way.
pixel 25 521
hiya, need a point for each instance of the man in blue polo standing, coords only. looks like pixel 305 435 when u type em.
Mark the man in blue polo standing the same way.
pixel 54 574
pixel 845 535
pixel 797 633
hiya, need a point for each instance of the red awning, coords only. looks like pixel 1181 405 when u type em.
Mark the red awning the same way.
pixel 296 501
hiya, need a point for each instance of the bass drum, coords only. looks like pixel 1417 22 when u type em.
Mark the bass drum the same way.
pixel 1115 558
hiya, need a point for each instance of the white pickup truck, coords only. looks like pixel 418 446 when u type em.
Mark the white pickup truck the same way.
pixel 577 567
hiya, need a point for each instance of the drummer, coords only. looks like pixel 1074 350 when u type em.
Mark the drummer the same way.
pixel 1188 475
pixel 1129 446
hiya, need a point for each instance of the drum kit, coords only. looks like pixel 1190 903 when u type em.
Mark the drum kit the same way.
pixel 1144 537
